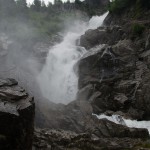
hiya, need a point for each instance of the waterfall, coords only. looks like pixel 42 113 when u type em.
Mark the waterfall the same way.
pixel 57 80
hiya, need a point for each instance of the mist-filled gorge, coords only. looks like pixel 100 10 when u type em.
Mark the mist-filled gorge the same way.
pixel 74 75
pixel 58 80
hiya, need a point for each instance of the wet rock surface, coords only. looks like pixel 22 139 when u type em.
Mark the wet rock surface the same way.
pixel 120 69
pixel 102 35
pixel 16 117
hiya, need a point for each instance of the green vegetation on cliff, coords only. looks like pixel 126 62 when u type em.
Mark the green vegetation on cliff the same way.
pixel 34 22
pixel 117 6
pixel 39 21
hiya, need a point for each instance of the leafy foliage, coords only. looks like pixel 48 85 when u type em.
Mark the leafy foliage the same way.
pixel 117 6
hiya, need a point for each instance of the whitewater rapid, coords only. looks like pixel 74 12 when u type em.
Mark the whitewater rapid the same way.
pixel 127 122
pixel 57 80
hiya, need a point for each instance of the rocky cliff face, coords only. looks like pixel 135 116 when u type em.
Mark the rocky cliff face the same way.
pixel 16 117
pixel 120 68
pixel 114 78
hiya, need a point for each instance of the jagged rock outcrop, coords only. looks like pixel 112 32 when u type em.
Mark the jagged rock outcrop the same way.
pixel 118 68
pixel 114 78
pixel 75 116
pixel 147 44
pixel 16 117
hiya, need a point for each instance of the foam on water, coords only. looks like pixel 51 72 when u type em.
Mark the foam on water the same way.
pixel 130 123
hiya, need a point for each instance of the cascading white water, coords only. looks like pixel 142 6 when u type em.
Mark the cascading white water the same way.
pixel 130 123
pixel 57 79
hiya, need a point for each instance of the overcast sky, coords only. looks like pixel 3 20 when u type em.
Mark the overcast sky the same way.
pixel 46 1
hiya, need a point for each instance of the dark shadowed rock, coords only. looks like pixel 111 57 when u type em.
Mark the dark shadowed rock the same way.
pixel 124 49
pixel 120 99
pixel 85 92
pixel 102 35
pixel 147 44
pixel 16 117
pixel 8 82
pixel 119 78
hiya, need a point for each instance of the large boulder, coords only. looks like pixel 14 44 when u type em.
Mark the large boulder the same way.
pixel 119 79
pixel 98 63
pixel 16 117
pixel 125 50
pixel 68 117
pixel 142 96
pixel 102 35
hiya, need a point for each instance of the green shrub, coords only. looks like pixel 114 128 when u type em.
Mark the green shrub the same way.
pixel 117 6
pixel 137 29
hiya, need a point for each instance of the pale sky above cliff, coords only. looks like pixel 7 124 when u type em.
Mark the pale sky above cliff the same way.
pixel 46 1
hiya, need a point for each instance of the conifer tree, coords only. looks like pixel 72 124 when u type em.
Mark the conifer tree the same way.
pixel 37 5
pixel 22 5
pixel 43 6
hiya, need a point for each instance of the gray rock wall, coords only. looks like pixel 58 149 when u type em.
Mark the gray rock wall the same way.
pixel 16 117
